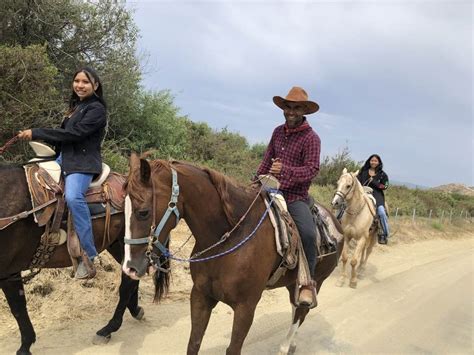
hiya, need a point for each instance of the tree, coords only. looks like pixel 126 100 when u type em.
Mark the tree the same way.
pixel 331 168
pixel 27 93
pixel 75 33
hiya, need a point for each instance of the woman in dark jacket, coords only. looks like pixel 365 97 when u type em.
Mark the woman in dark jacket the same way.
pixel 373 176
pixel 78 145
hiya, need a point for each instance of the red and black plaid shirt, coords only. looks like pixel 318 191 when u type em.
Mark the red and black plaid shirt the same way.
pixel 298 149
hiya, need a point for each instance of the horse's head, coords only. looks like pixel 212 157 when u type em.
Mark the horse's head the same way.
pixel 151 212
pixel 346 186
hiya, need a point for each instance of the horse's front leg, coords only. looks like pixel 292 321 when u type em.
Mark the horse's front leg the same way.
pixel 243 318
pixel 201 308
pixel 15 295
pixel 344 258
pixel 298 315
pixel 356 256
pixel 128 293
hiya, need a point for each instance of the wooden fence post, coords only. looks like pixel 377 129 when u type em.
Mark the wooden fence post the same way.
pixel 396 213
pixel 429 217
pixel 414 212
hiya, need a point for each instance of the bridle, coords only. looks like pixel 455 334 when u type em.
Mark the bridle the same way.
pixel 344 195
pixel 155 230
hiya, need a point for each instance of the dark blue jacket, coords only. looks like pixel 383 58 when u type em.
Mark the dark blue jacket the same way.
pixel 79 138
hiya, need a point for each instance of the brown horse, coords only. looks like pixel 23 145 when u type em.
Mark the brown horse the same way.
pixel 18 245
pixel 211 204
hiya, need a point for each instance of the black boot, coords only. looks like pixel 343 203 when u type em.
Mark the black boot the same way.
pixel 382 239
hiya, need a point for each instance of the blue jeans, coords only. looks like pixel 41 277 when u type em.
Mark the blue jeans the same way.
pixel 383 220
pixel 75 193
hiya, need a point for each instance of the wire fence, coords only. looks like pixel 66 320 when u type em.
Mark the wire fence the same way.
pixel 438 215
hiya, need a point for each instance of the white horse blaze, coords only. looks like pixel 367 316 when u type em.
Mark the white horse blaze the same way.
pixel 128 233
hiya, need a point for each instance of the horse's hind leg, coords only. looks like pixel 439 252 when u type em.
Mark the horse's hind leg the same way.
pixel 128 293
pixel 356 259
pixel 344 258
pixel 201 307
pixel 365 256
pixel 15 295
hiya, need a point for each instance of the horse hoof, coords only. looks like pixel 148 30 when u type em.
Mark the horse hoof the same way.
pixel 340 283
pixel 23 352
pixel 353 284
pixel 292 349
pixel 287 351
pixel 140 314
pixel 101 340
pixel 360 276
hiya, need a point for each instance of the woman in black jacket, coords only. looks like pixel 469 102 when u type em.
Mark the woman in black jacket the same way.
pixel 373 176
pixel 78 145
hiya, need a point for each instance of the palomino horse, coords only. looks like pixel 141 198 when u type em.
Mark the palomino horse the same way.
pixel 19 242
pixel 229 264
pixel 357 223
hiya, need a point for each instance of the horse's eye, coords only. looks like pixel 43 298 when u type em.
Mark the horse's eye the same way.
pixel 143 214
pixel 348 186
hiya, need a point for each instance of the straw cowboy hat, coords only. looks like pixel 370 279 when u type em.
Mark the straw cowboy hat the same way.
pixel 297 94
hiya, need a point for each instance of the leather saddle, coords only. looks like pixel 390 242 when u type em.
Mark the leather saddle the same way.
pixel 287 239
pixel 104 197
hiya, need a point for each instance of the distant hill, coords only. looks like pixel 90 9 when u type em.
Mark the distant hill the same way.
pixel 408 185
pixel 455 188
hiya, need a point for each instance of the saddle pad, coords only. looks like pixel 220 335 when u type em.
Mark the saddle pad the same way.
pixel 286 233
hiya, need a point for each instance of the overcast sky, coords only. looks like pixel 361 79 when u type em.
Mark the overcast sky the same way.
pixel 391 77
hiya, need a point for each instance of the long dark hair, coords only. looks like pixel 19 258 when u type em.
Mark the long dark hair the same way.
pixel 367 163
pixel 94 79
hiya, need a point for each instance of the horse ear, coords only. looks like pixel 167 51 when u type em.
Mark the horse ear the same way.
pixel 344 171
pixel 145 171
pixel 134 161
pixel 356 173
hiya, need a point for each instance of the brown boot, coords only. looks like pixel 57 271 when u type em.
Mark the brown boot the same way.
pixel 86 268
pixel 305 298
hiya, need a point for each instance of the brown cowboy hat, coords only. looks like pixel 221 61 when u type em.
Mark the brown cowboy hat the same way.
pixel 297 94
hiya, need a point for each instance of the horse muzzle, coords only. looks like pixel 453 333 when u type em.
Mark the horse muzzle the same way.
pixel 136 268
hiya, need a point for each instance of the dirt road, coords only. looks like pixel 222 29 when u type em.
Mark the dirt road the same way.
pixel 415 298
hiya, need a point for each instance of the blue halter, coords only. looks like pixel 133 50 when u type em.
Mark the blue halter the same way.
pixel 152 239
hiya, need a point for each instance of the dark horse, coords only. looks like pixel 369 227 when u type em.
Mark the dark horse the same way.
pixel 18 245
pixel 211 204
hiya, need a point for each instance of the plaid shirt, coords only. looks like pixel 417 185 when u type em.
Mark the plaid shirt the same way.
pixel 298 150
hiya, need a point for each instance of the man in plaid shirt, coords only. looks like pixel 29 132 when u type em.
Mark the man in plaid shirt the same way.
pixel 293 157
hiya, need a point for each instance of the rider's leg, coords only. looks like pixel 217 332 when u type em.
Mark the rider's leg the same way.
pixel 75 193
pixel 303 218
pixel 384 220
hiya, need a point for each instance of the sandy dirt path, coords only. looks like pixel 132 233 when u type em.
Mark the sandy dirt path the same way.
pixel 415 298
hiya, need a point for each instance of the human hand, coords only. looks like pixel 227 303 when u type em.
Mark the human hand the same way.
pixel 25 135
pixel 276 167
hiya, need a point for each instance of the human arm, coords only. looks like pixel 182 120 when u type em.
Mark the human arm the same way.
pixel 93 120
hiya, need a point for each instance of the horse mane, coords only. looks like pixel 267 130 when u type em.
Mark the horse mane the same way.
pixel 230 192
pixel 226 188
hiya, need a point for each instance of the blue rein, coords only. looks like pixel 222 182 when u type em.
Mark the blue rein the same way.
pixel 153 238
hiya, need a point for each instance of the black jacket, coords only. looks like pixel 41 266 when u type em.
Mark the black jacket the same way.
pixel 378 183
pixel 79 138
